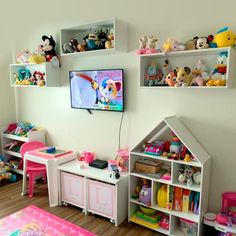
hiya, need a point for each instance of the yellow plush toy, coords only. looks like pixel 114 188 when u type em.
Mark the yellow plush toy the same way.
pixel 37 59
pixel 225 38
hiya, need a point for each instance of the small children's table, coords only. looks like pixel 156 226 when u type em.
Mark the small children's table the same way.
pixel 51 163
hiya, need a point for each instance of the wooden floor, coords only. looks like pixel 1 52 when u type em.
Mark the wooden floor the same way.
pixel 12 201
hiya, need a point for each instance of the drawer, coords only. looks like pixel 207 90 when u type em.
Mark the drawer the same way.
pixel 72 187
pixel 101 198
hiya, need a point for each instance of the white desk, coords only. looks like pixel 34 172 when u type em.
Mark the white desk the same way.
pixel 52 175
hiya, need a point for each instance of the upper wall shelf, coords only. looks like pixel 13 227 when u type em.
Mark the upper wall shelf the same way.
pixel 190 58
pixel 34 75
pixel 79 32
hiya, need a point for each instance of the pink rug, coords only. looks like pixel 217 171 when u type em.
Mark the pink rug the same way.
pixel 33 221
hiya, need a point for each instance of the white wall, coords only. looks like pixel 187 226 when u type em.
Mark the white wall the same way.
pixel 209 114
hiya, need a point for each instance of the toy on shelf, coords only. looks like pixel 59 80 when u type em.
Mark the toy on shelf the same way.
pixel 110 40
pixel 191 44
pixel 23 56
pixel 87 156
pixel 218 74
pixel 22 128
pixel 201 42
pixel 145 194
pixel 224 38
pixel 189 176
pixel 172 45
pixel 37 59
pixel 162 196
pixel 183 77
pixel 153 75
pixel 171 79
pixel 147 45
pixel 13 146
pixel 122 159
pixel 4 172
pixel 200 74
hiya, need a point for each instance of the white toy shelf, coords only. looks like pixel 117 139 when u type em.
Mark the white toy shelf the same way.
pixel 33 135
pixel 80 31
pixel 190 58
pixel 51 73
pixel 202 161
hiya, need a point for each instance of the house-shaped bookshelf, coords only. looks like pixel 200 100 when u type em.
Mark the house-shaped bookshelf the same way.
pixel 200 162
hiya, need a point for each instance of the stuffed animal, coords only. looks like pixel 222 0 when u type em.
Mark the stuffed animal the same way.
pixel 109 89
pixel 67 48
pixel 142 45
pixel 182 176
pixel 48 48
pixel 190 44
pixel 110 40
pixel 183 77
pixel 171 79
pixel 200 74
pixel 93 42
pixel 151 44
pixel 102 36
pixel 24 74
pixel 23 57
pixel 74 44
pixel 39 78
pixel 37 59
pixel 217 76
pixel 145 195
pixel 82 46
pixel 201 42
pixel 172 45
pixel 188 171
pixel 197 177
pixel 225 38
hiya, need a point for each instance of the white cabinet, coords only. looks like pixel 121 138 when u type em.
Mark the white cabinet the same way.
pixel 72 189
pixel 101 198
pixel 102 195
pixel 190 58
pixel 33 135
pixel 199 192
pixel 79 32
pixel 34 75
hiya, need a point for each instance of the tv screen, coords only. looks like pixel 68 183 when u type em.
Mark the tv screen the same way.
pixel 97 89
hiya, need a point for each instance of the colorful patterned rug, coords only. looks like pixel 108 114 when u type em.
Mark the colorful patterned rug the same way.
pixel 33 221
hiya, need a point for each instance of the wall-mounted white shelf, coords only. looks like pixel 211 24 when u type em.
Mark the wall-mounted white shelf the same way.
pixel 190 58
pixel 202 162
pixel 51 74
pixel 33 135
pixel 80 31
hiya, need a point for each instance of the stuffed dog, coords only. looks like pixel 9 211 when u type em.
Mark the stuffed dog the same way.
pixel 183 77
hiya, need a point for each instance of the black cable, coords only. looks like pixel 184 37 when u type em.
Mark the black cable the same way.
pixel 121 122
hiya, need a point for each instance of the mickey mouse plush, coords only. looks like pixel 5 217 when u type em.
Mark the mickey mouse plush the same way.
pixel 48 48
pixel 201 42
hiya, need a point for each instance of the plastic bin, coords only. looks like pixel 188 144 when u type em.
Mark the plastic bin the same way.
pixel 188 227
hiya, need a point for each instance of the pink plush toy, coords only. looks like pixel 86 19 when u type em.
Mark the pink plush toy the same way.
pixel 147 45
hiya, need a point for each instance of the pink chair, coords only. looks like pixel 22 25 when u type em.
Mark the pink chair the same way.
pixel 33 169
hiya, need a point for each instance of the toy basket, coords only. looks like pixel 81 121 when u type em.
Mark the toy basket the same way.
pixel 188 227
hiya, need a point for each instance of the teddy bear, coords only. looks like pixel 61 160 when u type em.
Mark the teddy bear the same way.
pixel 183 77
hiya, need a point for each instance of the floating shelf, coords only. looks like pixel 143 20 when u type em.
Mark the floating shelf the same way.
pixel 51 74
pixel 189 58
pixel 80 31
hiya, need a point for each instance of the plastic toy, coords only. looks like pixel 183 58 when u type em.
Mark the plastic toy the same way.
pixel 218 74
pixel 175 147
pixel 172 45
pixel 88 157
pixel 147 211
pixel 156 148
pixel 115 174
pixel 162 196
pixel 183 77
pixel 225 38
pixel 122 159
pixel 23 56
pixel 164 223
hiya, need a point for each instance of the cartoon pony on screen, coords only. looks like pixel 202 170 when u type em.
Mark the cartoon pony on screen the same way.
pixel 109 89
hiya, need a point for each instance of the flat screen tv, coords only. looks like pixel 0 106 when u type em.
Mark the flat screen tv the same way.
pixel 97 89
